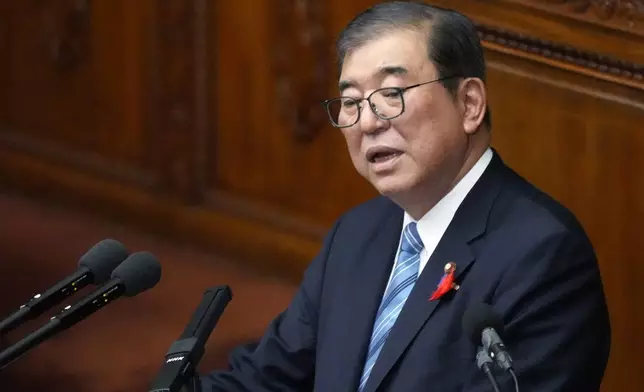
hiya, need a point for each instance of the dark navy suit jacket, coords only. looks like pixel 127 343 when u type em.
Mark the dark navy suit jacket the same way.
pixel 514 247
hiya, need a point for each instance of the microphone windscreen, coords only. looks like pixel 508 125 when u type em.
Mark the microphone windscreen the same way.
pixel 139 272
pixel 478 317
pixel 103 258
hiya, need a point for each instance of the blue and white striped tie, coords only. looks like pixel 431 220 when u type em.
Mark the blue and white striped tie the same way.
pixel 402 281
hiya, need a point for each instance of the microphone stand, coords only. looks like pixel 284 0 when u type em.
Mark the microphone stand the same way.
pixel 179 370
pixel 193 384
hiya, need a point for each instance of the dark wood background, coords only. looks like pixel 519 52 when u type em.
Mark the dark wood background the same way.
pixel 198 120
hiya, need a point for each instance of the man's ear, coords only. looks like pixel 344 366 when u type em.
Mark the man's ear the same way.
pixel 473 101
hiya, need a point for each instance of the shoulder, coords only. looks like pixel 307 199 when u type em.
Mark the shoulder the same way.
pixel 358 226
pixel 529 215
pixel 364 219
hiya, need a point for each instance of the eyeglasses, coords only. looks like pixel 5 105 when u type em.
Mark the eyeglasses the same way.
pixel 387 103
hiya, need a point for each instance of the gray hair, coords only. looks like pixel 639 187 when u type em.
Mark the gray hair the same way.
pixel 453 43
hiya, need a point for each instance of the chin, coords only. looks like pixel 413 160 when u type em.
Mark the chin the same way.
pixel 393 185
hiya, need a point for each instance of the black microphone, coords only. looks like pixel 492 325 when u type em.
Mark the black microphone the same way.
pixel 95 267
pixel 483 325
pixel 139 272
pixel 483 361
pixel 178 372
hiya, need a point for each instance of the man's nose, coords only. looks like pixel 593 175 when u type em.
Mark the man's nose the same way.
pixel 369 121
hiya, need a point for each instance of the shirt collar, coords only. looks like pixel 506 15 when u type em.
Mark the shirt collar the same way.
pixel 442 213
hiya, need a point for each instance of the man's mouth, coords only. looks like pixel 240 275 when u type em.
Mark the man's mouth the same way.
pixel 382 154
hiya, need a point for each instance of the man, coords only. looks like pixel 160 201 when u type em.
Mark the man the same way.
pixel 413 110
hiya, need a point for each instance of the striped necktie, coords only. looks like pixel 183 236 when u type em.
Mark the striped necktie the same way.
pixel 402 281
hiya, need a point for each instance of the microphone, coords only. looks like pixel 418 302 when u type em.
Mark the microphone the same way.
pixel 483 325
pixel 95 267
pixel 139 272
pixel 483 361
pixel 178 373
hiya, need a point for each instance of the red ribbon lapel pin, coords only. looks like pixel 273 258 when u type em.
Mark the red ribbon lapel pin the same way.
pixel 446 283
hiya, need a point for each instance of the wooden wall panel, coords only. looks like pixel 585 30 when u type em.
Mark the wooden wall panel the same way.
pixel 201 120
pixel 168 180
pixel 278 148
pixel 72 90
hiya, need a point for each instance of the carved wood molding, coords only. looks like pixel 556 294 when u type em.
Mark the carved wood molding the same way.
pixel 178 123
pixel 81 161
pixel 66 30
pixel 627 15
pixel 299 55
pixel 605 67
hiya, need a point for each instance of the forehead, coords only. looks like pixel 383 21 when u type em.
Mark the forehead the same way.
pixel 402 49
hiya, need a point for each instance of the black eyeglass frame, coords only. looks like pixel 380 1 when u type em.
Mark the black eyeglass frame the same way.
pixel 400 90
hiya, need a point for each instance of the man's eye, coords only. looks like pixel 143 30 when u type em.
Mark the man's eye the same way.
pixel 391 93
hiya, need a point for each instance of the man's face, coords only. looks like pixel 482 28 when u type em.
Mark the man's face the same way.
pixel 426 145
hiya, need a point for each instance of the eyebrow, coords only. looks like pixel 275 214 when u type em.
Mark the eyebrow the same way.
pixel 396 70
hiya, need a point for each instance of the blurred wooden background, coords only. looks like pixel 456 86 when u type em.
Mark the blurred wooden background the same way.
pixel 199 121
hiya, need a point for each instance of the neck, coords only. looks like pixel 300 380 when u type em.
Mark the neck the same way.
pixel 423 200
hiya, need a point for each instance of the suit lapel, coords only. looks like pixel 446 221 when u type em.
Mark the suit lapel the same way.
pixel 469 223
pixel 365 287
